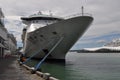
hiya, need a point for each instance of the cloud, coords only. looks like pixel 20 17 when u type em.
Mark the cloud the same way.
pixel 101 41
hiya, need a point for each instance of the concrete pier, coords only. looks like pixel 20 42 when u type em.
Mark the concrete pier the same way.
pixel 10 70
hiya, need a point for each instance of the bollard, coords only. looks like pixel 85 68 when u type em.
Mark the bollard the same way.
pixel 33 71
pixel 20 63
pixel 29 68
pixel 46 76
pixel 39 73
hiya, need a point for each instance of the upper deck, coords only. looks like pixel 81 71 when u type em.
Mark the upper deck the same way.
pixel 40 16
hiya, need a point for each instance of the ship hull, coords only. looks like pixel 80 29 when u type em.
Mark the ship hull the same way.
pixel 56 38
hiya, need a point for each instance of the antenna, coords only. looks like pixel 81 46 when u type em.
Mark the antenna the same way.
pixel 82 8
pixel 50 12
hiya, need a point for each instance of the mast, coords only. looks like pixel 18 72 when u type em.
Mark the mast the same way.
pixel 82 8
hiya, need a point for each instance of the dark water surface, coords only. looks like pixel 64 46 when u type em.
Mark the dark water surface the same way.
pixel 86 66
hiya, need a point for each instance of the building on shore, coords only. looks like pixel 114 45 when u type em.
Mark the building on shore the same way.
pixel 12 43
pixel 7 40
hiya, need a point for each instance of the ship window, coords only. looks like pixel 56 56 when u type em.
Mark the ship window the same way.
pixel 30 38
pixel 36 21
pixel 24 29
pixel 45 51
pixel 33 21
pixel 41 35
pixel 35 37
pixel 54 32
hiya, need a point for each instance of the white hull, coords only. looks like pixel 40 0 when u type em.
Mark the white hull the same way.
pixel 45 38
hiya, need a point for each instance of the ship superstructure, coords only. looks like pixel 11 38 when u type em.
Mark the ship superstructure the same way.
pixel 113 43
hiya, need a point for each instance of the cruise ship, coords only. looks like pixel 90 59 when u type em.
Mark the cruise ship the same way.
pixel 51 35
pixel 113 46
pixel 113 43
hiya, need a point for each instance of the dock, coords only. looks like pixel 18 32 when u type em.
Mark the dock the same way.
pixel 10 70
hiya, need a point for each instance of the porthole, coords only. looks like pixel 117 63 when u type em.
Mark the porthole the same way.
pixel 41 35
pixel 54 33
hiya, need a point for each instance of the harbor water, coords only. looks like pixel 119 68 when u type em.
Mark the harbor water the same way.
pixel 85 66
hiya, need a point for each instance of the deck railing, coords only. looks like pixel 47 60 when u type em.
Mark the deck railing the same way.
pixel 78 14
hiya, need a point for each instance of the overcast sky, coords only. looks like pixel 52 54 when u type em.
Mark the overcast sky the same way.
pixel 106 15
